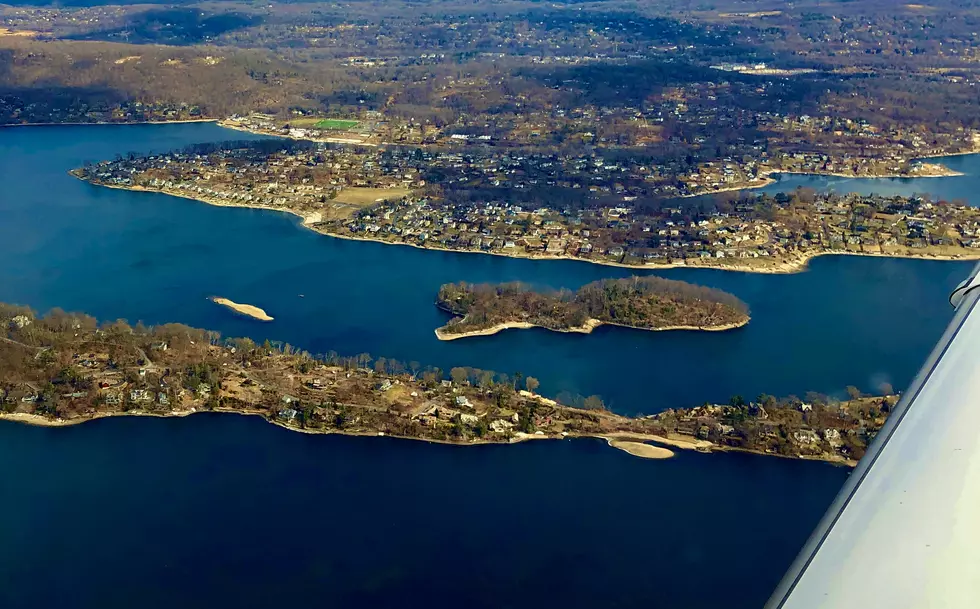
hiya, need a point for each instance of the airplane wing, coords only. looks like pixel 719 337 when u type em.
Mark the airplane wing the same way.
pixel 905 530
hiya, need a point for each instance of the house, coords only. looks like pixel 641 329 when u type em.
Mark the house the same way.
pixel 806 436
pixel 501 426
pixel 113 399
pixel 160 346
pixel 31 394
pixel 385 385
pixel 288 414
pixel 140 395
pixel 462 401
pixel 289 399
pixel 19 321
pixel 162 399
pixel 468 419
pixel 615 251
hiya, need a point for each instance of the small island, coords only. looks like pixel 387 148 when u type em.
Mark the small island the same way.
pixel 66 368
pixel 245 309
pixel 646 303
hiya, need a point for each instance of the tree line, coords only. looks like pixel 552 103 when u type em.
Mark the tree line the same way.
pixel 642 302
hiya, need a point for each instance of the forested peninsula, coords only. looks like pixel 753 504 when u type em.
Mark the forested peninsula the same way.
pixel 647 303
pixel 67 368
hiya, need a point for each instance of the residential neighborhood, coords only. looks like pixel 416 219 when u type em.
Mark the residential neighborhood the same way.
pixel 579 207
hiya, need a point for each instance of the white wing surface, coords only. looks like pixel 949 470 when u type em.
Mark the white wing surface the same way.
pixel 904 532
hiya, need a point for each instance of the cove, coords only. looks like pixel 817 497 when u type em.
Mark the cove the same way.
pixel 151 257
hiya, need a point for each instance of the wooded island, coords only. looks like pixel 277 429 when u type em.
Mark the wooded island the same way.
pixel 648 303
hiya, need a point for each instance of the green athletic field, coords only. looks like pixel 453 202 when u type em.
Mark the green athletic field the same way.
pixel 336 124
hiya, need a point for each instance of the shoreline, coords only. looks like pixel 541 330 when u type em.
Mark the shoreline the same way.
pixel 768 180
pixel 611 439
pixel 653 446
pixel 589 326
pixel 109 124
pixel 226 124
pixel 640 449
pixel 792 265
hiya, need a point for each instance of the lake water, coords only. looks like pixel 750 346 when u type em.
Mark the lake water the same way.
pixel 156 258
pixel 224 511
pixel 230 511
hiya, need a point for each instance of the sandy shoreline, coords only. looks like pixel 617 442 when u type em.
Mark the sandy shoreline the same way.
pixel 634 443
pixel 226 124
pixel 623 442
pixel 589 326
pixel 641 449
pixel 245 309
pixel 779 267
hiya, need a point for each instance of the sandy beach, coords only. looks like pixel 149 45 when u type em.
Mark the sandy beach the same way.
pixel 589 326
pixel 633 445
pixel 636 444
pixel 640 449
pixel 244 309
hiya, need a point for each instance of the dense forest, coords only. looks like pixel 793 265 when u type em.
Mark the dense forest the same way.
pixel 640 302
pixel 908 67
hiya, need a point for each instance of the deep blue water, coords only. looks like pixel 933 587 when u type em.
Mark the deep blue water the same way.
pixel 226 511
pixel 155 258
pixel 215 511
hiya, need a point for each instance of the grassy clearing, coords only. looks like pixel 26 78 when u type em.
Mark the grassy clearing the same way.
pixel 362 197
pixel 350 200
pixel 335 124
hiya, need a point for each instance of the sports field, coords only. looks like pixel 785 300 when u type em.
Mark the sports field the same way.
pixel 336 124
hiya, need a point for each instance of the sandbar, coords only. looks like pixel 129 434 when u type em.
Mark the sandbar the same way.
pixel 639 449
pixel 245 309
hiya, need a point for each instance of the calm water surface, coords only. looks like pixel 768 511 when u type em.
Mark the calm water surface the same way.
pixel 156 258
pixel 228 511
